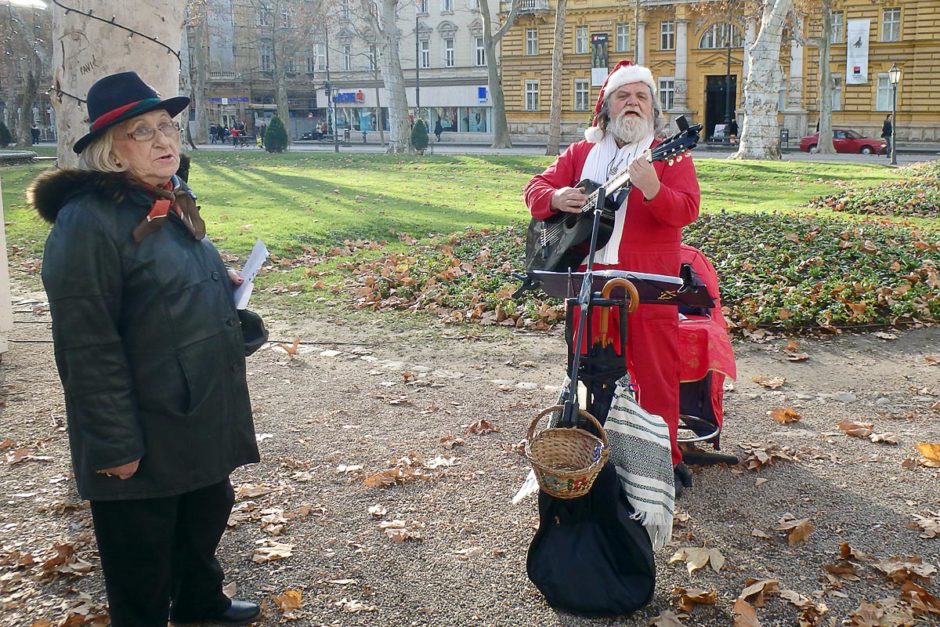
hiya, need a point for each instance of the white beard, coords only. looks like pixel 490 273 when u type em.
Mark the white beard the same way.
pixel 630 129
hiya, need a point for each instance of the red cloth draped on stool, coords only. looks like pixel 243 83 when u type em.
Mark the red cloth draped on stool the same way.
pixel 704 345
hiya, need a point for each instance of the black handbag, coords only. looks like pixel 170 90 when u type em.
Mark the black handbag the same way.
pixel 253 330
pixel 588 556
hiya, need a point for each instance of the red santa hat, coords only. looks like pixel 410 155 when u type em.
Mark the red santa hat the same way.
pixel 623 73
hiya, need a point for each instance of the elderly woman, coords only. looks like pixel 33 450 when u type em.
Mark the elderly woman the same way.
pixel 151 357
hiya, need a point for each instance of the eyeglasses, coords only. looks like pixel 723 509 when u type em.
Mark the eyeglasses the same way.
pixel 146 133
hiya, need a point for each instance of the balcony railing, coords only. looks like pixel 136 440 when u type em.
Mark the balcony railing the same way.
pixel 525 6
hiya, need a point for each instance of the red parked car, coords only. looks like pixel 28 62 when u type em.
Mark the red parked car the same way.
pixel 845 141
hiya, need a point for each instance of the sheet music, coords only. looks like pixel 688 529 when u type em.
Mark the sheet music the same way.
pixel 259 253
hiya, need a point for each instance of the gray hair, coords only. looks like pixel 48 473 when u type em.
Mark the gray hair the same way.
pixel 659 122
pixel 99 156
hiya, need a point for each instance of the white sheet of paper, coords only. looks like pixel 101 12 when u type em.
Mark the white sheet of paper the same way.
pixel 255 260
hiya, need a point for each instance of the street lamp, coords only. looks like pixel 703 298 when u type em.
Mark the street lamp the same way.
pixel 894 77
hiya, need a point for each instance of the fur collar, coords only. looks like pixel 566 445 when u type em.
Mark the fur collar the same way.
pixel 54 188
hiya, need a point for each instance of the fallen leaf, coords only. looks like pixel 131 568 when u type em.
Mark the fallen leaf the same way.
pixel 798 530
pixel 856 429
pixel 784 415
pixel 377 511
pixel 757 533
pixel 688 599
pixel 696 557
pixel 759 589
pixel 230 589
pixel 902 569
pixel 921 601
pixel 667 619
pixel 744 614
pixel 885 335
pixel 290 600
pixel 271 550
pixel 771 383
pixel 353 606
pixel 929 525
pixel 291 349
pixel 867 615
pixel 797 357
pixel 760 481
pixel 450 441
pixel 482 427
pixel 847 552
pixel 931 453
pixel 884 438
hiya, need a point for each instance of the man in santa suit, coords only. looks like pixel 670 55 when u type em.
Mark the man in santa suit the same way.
pixel 647 229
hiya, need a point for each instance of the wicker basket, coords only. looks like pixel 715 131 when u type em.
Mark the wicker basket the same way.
pixel 566 461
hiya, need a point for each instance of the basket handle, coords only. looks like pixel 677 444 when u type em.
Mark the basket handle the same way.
pixel 602 433
pixel 605 293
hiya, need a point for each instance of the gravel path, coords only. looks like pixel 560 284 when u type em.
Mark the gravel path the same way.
pixel 375 392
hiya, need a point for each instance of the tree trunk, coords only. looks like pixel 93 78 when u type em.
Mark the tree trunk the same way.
pixel 86 49
pixel 199 70
pixel 388 39
pixel 279 59
pixel 760 138
pixel 558 54
pixel 24 102
pixel 501 136
pixel 824 145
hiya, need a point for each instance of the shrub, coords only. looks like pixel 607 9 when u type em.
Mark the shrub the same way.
pixel 419 136
pixel 275 138
pixel 5 138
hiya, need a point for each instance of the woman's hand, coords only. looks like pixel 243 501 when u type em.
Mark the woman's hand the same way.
pixel 235 277
pixel 569 199
pixel 122 472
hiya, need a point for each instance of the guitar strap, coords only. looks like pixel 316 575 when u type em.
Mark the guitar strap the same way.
pixel 595 169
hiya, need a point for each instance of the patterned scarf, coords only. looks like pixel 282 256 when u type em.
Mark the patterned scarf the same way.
pixel 172 197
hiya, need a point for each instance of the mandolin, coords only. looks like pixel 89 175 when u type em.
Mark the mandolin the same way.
pixel 561 242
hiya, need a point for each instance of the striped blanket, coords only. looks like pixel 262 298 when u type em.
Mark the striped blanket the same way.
pixel 642 456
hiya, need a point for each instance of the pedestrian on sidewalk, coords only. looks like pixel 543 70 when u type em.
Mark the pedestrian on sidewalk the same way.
pixel 887 132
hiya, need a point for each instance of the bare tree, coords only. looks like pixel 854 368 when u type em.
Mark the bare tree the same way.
pixel 26 35
pixel 759 135
pixel 491 38
pixel 88 47
pixel 380 16
pixel 198 45
pixel 558 59
pixel 824 142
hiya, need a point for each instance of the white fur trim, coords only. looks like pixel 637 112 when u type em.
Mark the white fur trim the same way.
pixel 594 134
pixel 629 74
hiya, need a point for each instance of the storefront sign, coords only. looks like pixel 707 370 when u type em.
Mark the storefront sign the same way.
pixel 481 94
pixel 229 100
pixel 348 97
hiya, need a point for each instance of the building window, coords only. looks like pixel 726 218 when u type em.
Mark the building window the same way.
pixel 667 93
pixel 531 41
pixel 531 95
pixel 782 99
pixel 286 17
pixel 311 64
pixel 580 40
pixel 717 37
pixel 425 53
pixel 667 35
pixel 480 51
pixel 623 37
pixel 289 66
pixel 891 25
pixel 264 18
pixel 447 6
pixel 422 7
pixel 883 97
pixel 373 55
pixel 449 52
pixel 266 56
pixel 347 57
pixel 344 9
pixel 837 34
pixel 581 92
pixel 837 93
pixel 321 57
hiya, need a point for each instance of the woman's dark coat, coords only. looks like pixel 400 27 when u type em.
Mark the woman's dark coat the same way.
pixel 147 342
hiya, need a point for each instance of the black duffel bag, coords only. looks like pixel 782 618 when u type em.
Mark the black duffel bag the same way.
pixel 588 556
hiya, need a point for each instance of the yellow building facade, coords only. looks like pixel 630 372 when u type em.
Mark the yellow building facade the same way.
pixel 697 53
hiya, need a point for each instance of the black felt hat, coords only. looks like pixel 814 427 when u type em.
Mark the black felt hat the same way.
pixel 119 97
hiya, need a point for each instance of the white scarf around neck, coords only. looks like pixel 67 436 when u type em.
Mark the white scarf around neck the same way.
pixel 605 160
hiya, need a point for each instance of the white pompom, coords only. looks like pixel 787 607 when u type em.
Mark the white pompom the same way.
pixel 594 134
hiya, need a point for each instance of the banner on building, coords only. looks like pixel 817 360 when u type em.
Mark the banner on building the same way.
pixel 856 51
pixel 598 59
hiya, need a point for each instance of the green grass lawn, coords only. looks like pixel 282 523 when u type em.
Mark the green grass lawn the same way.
pixel 299 200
